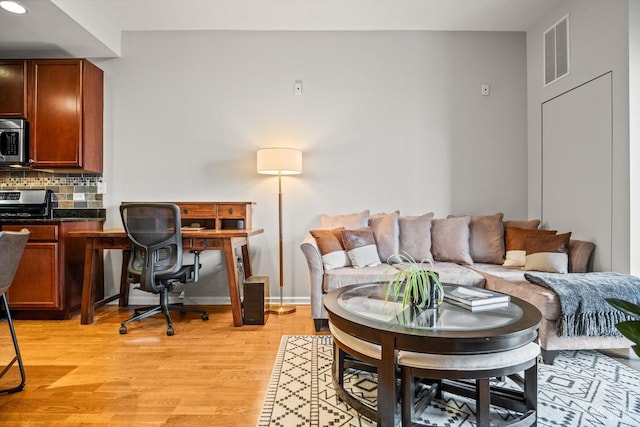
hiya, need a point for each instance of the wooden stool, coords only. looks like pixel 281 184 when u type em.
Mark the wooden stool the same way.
pixel 480 367
pixel 365 356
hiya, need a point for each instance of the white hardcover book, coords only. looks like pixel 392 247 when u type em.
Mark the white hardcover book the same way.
pixel 482 307
pixel 474 296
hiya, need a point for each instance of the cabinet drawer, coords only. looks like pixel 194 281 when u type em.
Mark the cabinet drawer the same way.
pixel 38 232
pixel 198 210
pixel 232 210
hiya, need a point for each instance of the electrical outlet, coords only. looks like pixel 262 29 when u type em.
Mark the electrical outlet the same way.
pixel 78 196
pixel 102 187
pixel 297 87
pixel 484 91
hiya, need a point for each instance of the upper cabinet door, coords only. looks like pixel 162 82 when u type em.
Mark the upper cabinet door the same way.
pixel 65 103
pixel 56 113
pixel 13 88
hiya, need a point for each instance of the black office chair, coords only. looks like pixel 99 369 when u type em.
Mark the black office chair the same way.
pixel 12 245
pixel 156 257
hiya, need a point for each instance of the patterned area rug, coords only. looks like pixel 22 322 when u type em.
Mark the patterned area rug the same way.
pixel 582 388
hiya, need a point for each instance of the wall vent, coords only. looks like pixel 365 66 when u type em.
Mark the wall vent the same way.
pixel 556 51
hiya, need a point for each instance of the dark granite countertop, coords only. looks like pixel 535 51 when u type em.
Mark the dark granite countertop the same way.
pixel 63 215
pixel 80 214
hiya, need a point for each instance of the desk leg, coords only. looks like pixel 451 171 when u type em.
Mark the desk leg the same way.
pixel 234 285
pixel 387 382
pixel 88 283
pixel 124 283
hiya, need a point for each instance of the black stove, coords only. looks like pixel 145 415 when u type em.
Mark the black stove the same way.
pixel 25 204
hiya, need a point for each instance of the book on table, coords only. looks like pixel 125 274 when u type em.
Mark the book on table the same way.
pixel 474 297
pixel 483 307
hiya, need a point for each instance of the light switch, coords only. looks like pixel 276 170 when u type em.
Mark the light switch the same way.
pixel 297 87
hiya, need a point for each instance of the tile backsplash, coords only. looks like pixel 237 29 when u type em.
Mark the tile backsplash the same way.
pixel 63 186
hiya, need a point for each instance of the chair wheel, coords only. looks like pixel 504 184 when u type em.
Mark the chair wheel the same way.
pixel 205 316
pixel 123 330
pixel 170 332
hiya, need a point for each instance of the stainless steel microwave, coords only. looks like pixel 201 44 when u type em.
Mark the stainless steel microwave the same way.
pixel 14 142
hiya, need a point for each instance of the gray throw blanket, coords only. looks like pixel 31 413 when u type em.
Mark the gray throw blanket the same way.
pixel 582 298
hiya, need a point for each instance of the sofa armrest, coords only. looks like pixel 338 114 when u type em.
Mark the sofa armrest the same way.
pixel 316 274
pixel 580 252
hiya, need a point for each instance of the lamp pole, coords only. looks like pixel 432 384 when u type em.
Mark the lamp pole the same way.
pixel 281 309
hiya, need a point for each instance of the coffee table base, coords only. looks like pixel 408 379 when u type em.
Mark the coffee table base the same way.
pixel 462 378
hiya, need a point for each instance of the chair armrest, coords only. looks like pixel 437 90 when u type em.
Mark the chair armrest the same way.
pixel 580 252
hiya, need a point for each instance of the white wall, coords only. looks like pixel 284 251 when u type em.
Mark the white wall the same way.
pixel 388 120
pixel 599 43
pixel 634 133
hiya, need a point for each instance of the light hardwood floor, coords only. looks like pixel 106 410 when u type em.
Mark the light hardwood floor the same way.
pixel 208 374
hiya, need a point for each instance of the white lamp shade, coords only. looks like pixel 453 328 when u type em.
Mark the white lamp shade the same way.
pixel 274 161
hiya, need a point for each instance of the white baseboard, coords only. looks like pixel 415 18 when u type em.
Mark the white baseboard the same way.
pixel 204 300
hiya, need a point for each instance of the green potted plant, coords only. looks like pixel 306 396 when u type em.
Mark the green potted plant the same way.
pixel 416 282
pixel 629 328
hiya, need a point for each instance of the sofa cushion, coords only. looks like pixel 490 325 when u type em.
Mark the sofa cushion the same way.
pixel 510 280
pixel 515 244
pixel 350 221
pixel 547 253
pixel 361 247
pixel 531 224
pixel 486 238
pixel 331 247
pixel 510 274
pixel 415 236
pixel 448 272
pixel 450 239
pixel 386 232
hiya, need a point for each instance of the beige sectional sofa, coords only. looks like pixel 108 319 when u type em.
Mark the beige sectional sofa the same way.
pixel 466 250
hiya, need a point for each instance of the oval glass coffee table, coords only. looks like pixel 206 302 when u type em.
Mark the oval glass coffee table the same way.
pixel 363 313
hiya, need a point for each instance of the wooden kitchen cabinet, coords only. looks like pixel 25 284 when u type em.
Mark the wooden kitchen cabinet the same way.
pixel 65 114
pixel 62 99
pixel 48 283
pixel 13 88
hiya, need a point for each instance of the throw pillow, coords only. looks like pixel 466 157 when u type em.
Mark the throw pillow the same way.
pixel 531 224
pixel 331 248
pixel 515 244
pixel 486 239
pixel 361 247
pixel 548 253
pixel 386 231
pixel 450 239
pixel 415 236
pixel 349 221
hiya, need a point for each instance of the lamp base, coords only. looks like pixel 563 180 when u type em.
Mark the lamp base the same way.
pixel 281 309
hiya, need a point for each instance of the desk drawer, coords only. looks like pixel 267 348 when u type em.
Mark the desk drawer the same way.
pixel 38 232
pixel 114 243
pixel 198 210
pixel 232 210
pixel 199 244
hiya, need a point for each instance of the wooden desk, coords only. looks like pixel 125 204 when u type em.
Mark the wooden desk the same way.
pixel 202 240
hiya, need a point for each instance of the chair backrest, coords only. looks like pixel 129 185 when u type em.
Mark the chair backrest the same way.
pixel 12 245
pixel 154 232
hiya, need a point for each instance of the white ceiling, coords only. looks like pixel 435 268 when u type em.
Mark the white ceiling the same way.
pixel 93 28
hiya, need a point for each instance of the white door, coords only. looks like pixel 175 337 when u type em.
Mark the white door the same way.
pixel 577 166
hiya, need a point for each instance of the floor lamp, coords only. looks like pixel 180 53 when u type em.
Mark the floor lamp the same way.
pixel 280 161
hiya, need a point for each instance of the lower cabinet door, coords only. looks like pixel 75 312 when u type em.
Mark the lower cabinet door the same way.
pixel 34 285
